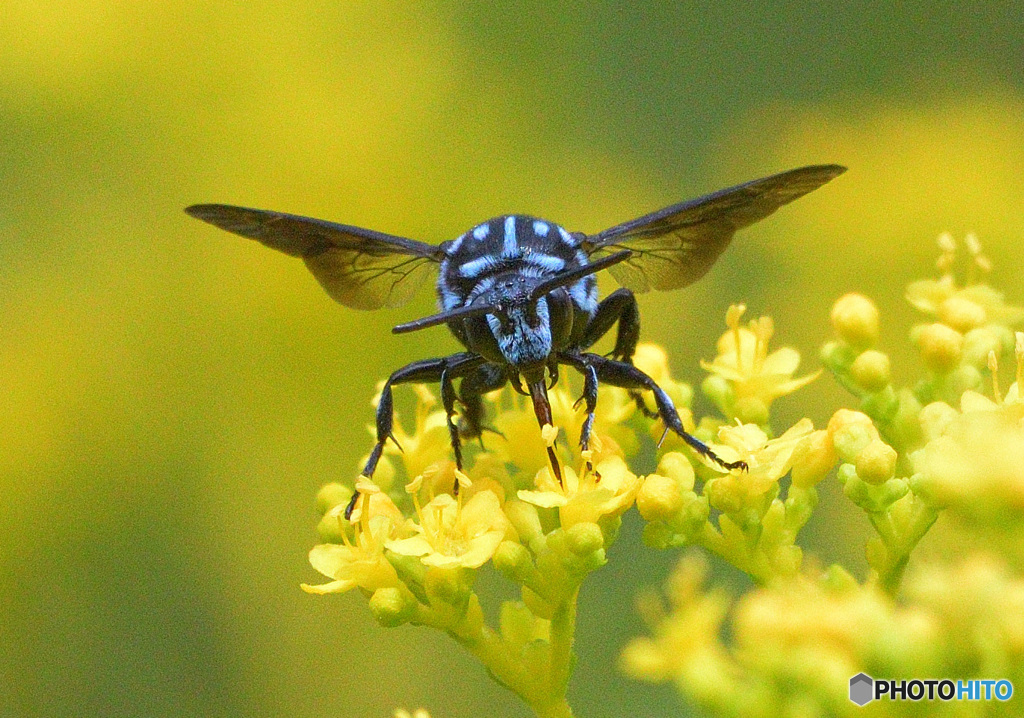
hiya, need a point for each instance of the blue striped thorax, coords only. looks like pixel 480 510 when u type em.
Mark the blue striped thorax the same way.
pixel 500 262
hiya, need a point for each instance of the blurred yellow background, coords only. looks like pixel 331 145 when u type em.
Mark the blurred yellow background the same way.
pixel 171 396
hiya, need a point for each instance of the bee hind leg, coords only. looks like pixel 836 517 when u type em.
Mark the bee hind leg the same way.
pixel 619 307
pixel 627 376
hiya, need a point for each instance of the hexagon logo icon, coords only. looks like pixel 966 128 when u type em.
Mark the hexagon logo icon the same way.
pixel 862 689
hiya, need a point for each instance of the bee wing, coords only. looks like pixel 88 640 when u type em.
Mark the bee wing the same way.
pixel 677 245
pixel 358 267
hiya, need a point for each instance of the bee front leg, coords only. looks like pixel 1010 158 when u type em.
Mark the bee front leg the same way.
pixel 425 370
pixel 448 401
pixel 475 384
pixel 589 396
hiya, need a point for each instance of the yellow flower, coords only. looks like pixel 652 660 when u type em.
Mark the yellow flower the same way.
pixel 964 308
pixel 524 445
pixel 652 360
pixel 767 460
pixel 685 646
pixel 608 490
pixel 814 636
pixel 746 379
pixel 362 562
pixel 973 465
pixel 452 534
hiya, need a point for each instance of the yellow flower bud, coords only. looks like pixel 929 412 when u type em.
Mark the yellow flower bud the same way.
pixel 871 370
pixel 450 585
pixel 391 606
pixel 330 528
pixel 855 320
pixel 979 343
pixel 940 346
pixel 384 476
pixel 813 459
pixel 876 462
pixel 751 410
pixel 652 360
pixel 512 559
pixel 675 466
pixel 851 431
pixel 584 538
pixel 660 498
pixel 524 519
pixel 935 417
pixel 961 313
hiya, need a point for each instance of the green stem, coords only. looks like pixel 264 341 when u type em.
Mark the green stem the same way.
pixel 489 648
pixel 545 697
pixel 557 709
pixel 740 556
pixel 563 630
pixel 900 541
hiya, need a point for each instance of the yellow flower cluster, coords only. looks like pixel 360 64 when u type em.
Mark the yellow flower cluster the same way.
pixel 795 645
pixel 944 453
pixel 745 378
pixel 950 448
pixel 414 549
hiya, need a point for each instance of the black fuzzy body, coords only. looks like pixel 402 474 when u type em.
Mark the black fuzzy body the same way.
pixel 499 262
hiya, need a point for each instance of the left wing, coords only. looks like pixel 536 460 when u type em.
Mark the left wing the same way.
pixel 676 246
pixel 358 267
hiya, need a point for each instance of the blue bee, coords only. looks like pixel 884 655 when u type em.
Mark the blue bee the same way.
pixel 519 293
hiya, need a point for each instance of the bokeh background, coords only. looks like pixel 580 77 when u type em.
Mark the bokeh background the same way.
pixel 171 396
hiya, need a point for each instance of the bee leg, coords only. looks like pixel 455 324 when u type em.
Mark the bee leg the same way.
pixel 448 401
pixel 590 397
pixel 619 306
pixel 627 376
pixel 418 371
pixel 475 384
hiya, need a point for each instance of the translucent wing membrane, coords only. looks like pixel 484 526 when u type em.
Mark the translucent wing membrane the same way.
pixel 358 267
pixel 676 246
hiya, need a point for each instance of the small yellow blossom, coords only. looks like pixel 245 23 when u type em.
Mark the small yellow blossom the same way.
pixel 665 493
pixel 767 460
pixel 755 377
pixel 524 444
pixel 685 647
pixel 607 491
pixel 360 563
pixel 964 308
pixel 974 465
pixel 652 360
pixel 819 636
pixel 451 534
pixel 855 319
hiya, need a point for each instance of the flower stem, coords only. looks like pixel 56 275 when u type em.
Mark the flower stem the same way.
pixel 557 709
pixel 563 630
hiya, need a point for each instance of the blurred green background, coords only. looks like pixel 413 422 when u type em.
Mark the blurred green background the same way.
pixel 171 396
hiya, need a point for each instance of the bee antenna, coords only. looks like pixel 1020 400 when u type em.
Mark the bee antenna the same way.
pixel 572 275
pixel 474 310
